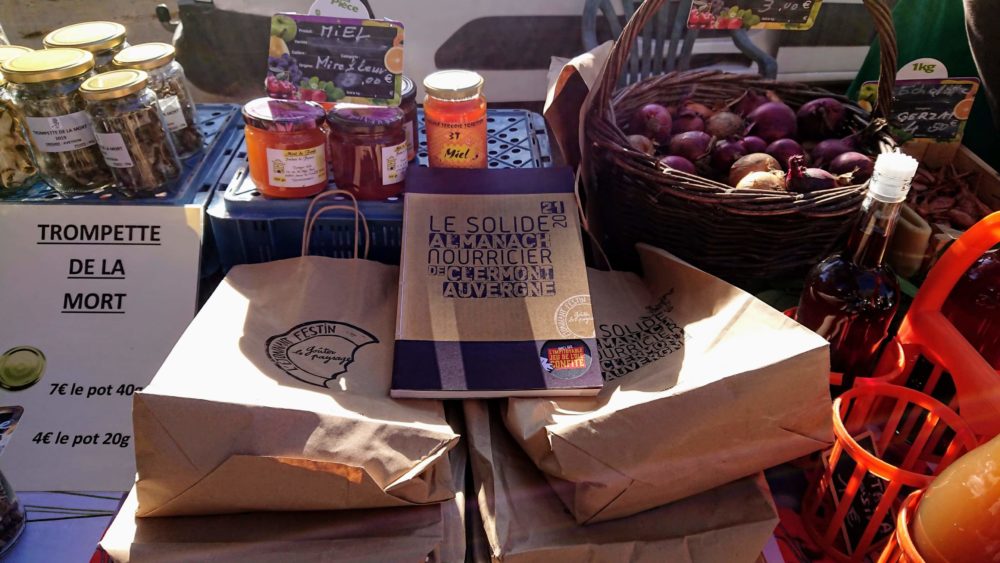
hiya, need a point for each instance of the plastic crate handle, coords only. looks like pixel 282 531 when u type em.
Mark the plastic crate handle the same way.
pixel 311 218
pixel 977 383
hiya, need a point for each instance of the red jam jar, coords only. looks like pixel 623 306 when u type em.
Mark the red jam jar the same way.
pixel 408 104
pixel 369 150
pixel 286 147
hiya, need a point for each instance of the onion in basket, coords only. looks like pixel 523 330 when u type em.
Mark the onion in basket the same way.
pixel 772 121
pixel 757 162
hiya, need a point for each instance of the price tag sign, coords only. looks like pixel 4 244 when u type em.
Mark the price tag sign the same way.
pixel 328 59
pixel 927 110
pixel 93 300
pixel 798 15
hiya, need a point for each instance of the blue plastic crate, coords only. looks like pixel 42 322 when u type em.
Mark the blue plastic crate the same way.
pixel 202 172
pixel 249 228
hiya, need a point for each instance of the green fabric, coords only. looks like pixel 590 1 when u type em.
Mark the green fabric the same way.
pixel 936 29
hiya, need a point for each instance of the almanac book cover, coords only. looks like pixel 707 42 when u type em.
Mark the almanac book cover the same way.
pixel 493 296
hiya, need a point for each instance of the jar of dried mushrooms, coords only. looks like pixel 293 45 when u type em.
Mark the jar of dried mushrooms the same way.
pixel 103 39
pixel 166 79
pixel 131 132
pixel 17 164
pixel 44 86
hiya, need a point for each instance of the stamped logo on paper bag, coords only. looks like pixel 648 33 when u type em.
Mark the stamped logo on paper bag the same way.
pixel 317 352
pixel 575 317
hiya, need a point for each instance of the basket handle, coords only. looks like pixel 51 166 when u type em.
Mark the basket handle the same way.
pixel 888 56
pixel 311 218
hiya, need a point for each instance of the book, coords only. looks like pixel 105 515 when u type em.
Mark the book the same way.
pixel 493 292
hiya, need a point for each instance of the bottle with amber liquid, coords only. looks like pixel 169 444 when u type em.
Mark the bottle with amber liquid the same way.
pixel 957 519
pixel 851 297
pixel 974 307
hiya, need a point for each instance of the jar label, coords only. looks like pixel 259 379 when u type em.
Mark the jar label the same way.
pixel 298 168
pixel 114 150
pixel 61 133
pixel 394 163
pixel 171 108
pixel 456 145
pixel 410 128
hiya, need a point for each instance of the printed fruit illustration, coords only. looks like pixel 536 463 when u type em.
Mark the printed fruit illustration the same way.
pixel 399 39
pixel 283 27
pixel 277 47
pixel 963 108
pixel 394 60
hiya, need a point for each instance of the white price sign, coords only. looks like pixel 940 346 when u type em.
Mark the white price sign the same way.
pixel 93 300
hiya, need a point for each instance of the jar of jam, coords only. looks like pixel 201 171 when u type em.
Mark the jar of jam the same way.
pixel 369 150
pixel 103 39
pixel 455 117
pixel 408 103
pixel 286 147
pixel 17 163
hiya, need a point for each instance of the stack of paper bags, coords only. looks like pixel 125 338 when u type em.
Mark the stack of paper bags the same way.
pixel 524 520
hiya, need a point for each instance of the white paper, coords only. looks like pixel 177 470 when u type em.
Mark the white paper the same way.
pixel 104 293
pixel 114 150
pixel 339 9
pixel 171 108
pixel 61 133
pixel 394 164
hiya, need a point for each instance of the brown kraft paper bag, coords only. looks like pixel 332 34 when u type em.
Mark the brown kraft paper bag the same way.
pixel 434 533
pixel 704 384
pixel 525 522
pixel 276 399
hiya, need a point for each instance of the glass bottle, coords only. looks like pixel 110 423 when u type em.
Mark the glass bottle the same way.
pixel 12 515
pixel 131 132
pixel 957 519
pixel 103 39
pixel 455 119
pixel 851 297
pixel 44 86
pixel 286 147
pixel 974 307
pixel 166 79
pixel 368 148
pixel 17 163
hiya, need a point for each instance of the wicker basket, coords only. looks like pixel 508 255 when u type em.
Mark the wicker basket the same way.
pixel 739 235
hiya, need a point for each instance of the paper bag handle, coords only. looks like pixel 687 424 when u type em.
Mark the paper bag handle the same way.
pixel 311 218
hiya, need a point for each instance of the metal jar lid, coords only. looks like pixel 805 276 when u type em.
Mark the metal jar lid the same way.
pixel 113 85
pixel 145 56
pixel 409 92
pixel 8 52
pixel 47 64
pixel 365 120
pixel 91 36
pixel 269 114
pixel 454 84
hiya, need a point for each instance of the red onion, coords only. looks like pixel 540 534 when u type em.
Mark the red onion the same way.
pixel 653 121
pixel 693 145
pixel 757 162
pixel 725 125
pixel 857 165
pixel 827 150
pixel 678 163
pixel 772 121
pixel 783 149
pixel 725 153
pixel 805 180
pixel 754 144
pixel 641 144
pixel 687 120
pixel 748 102
pixel 821 118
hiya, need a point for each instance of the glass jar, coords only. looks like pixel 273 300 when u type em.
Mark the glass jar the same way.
pixel 12 517
pixel 102 39
pixel 44 86
pixel 17 164
pixel 286 147
pixel 369 150
pixel 166 79
pixel 455 118
pixel 131 132
pixel 408 103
